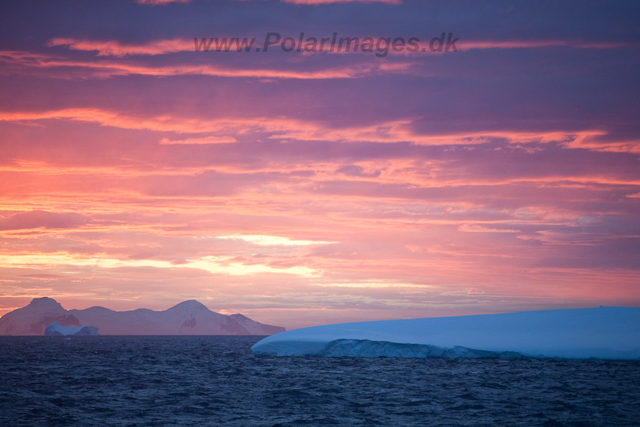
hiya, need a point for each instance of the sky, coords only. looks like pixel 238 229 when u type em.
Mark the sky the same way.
pixel 303 188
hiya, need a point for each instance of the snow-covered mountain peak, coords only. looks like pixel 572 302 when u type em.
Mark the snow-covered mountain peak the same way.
pixel 187 318
pixel 45 303
pixel 190 305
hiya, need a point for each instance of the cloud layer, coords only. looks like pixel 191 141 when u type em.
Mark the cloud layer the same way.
pixel 302 189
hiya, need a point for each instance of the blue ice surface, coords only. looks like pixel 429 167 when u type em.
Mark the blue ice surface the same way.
pixel 602 333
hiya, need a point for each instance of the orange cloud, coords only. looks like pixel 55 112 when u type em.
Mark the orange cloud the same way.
pixel 103 69
pixel 290 129
pixel 228 130
pixel 592 142
pixel 115 48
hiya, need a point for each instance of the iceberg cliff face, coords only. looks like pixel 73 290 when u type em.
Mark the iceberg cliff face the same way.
pixel 55 329
pixel 607 333
pixel 366 348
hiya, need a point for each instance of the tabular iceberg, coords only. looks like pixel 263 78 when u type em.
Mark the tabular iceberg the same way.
pixel 604 333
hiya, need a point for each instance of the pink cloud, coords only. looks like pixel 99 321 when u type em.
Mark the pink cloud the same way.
pixel 340 1
pixel 199 141
pixel 136 172
pixel 37 219
pixel 160 2
pixel 533 44
pixel 475 228
pixel 102 69
pixel 115 48
pixel 290 129
pixel 162 47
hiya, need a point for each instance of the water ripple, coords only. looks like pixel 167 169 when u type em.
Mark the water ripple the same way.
pixel 210 381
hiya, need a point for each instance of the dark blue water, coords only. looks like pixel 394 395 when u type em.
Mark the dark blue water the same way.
pixel 208 381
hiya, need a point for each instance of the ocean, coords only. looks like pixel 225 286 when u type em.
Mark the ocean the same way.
pixel 214 380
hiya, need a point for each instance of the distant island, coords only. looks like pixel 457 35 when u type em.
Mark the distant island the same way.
pixel 186 318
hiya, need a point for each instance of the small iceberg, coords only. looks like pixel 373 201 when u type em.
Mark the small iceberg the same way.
pixel 602 333
pixel 55 329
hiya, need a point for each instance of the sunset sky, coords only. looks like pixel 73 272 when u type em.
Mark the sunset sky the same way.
pixel 305 188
